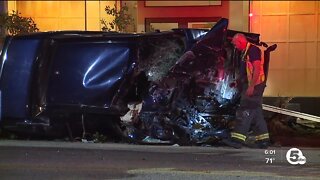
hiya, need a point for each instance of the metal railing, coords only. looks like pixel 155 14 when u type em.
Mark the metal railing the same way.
pixel 291 113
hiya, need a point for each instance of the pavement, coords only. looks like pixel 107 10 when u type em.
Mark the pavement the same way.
pixel 77 160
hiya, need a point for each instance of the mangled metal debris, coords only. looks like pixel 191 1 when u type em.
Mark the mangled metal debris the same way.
pixel 169 87
pixel 196 101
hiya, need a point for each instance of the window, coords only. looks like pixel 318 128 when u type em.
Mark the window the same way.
pixel 164 24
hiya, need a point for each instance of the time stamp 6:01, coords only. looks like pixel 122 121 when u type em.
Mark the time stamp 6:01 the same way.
pixel 294 156
pixel 270 156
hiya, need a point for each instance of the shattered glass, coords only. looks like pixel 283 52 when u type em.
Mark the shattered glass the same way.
pixel 155 59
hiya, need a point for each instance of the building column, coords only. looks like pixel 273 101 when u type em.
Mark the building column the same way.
pixel 239 15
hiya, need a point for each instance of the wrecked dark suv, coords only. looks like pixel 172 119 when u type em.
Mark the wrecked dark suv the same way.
pixel 162 87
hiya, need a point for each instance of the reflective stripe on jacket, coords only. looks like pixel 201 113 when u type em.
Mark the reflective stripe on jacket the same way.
pixel 249 66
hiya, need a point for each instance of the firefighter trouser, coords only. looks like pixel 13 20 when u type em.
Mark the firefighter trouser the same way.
pixel 249 115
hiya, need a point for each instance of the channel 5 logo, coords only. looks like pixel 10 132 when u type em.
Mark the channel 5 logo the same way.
pixel 294 156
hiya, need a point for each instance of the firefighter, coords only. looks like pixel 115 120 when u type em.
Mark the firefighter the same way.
pixel 252 85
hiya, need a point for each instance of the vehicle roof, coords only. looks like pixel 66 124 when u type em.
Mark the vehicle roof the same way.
pixel 91 34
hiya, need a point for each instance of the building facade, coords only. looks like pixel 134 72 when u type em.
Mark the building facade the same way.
pixel 293 25
pixel 64 15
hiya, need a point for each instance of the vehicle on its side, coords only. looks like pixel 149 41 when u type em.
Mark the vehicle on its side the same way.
pixel 79 82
